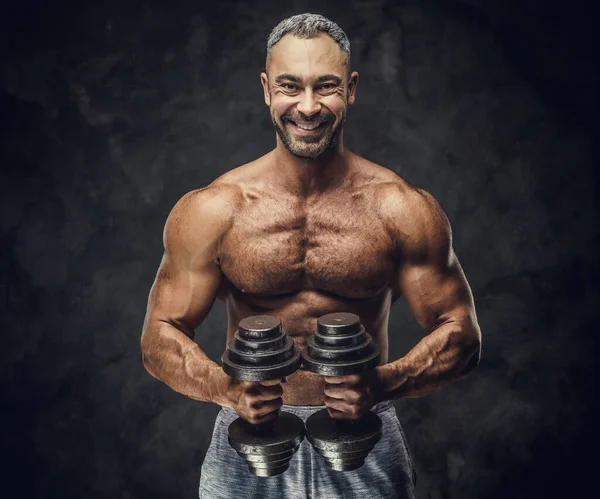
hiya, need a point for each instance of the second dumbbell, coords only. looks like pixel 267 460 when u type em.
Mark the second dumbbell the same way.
pixel 340 346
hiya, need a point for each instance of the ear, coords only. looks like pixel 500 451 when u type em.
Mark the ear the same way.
pixel 264 79
pixel 352 83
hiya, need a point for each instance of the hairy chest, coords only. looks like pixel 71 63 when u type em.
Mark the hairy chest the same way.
pixel 337 245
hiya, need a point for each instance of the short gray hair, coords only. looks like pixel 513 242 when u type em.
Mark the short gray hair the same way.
pixel 308 26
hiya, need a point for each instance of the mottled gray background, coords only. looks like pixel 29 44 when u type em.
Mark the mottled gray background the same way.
pixel 113 110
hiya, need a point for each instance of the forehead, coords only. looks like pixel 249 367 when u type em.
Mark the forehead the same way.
pixel 293 54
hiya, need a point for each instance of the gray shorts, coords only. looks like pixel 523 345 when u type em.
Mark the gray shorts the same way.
pixel 388 471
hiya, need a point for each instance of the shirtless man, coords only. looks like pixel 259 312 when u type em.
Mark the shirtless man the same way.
pixel 308 229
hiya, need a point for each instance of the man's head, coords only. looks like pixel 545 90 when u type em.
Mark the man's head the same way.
pixel 308 81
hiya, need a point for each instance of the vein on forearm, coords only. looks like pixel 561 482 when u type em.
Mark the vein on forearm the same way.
pixel 178 361
pixel 446 354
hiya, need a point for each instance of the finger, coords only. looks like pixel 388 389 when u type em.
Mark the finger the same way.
pixel 338 404
pixel 264 418
pixel 270 382
pixel 351 394
pixel 350 379
pixel 335 380
pixel 335 414
pixel 264 407
pixel 271 393
pixel 335 391
pixel 345 412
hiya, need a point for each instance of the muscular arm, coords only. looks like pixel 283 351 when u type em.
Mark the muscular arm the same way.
pixel 432 282
pixel 183 293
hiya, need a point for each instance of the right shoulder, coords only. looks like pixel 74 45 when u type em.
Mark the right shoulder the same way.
pixel 216 201
pixel 201 217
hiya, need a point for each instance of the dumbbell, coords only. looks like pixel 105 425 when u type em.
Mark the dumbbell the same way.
pixel 262 351
pixel 340 346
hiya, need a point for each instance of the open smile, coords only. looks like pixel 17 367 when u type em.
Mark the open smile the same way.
pixel 302 131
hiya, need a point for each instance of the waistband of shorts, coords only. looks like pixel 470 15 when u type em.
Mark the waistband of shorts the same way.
pixel 309 409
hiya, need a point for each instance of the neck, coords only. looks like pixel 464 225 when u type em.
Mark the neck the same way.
pixel 309 176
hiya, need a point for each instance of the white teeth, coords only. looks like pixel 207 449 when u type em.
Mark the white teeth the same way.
pixel 306 127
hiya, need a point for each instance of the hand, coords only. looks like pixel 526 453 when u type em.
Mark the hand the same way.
pixel 349 397
pixel 255 401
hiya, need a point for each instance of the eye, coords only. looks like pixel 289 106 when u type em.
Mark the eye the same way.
pixel 330 85
pixel 289 85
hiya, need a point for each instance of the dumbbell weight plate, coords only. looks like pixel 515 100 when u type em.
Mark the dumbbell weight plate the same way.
pixel 286 432
pixel 262 357
pixel 259 327
pixel 341 465
pixel 359 454
pixel 338 353
pixel 251 345
pixel 327 434
pixel 338 323
pixel 266 472
pixel 349 339
pixel 264 458
pixel 261 373
pixel 342 367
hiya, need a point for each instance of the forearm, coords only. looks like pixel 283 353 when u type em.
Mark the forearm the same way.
pixel 176 360
pixel 445 355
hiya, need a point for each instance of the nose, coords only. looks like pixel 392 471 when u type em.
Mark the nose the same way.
pixel 308 105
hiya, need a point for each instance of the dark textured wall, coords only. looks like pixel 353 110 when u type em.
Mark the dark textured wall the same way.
pixel 111 111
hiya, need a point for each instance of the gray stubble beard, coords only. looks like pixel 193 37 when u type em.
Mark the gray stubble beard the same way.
pixel 328 142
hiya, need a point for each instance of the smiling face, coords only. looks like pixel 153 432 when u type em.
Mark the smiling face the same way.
pixel 307 86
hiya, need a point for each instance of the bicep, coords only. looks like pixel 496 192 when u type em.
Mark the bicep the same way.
pixel 183 297
pixel 429 275
pixel 436 290
pixel 189 275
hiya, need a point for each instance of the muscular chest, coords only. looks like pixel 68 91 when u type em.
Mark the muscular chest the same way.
pixel 337 245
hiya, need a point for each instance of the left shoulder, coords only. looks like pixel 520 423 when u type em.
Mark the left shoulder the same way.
pixel 415 220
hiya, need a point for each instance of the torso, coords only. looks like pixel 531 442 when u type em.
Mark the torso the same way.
pixel 298 257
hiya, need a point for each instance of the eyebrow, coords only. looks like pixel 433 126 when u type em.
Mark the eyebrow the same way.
pixel 290 77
